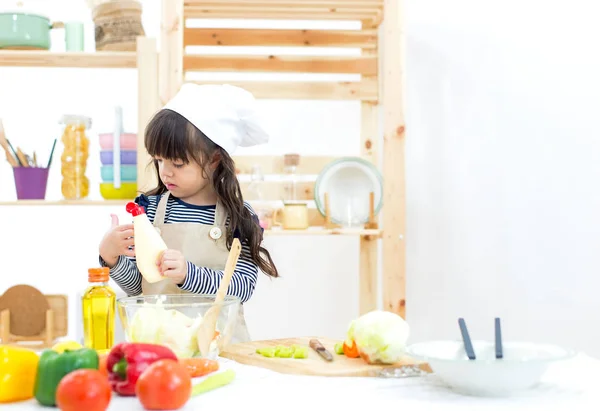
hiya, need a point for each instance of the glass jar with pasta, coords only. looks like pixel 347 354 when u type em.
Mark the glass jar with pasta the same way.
pixel 75 185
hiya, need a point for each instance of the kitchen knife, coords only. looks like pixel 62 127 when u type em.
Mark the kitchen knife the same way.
pixel 321 350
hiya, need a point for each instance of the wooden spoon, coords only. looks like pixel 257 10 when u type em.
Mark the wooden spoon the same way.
pixel 206 331
pixel 22 157
pixel 4 143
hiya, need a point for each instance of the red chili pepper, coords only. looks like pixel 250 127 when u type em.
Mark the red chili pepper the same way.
pixel 127 361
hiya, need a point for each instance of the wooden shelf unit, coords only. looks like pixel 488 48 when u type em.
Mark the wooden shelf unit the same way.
pixel 380 86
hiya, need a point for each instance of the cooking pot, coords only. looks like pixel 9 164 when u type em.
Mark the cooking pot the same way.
pixel 20 30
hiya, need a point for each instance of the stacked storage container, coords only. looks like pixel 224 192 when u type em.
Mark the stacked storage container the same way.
pixel 118 155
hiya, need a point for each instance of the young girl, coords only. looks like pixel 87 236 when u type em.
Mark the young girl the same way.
pixel 198 206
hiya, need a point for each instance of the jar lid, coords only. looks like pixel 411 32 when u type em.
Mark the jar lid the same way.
pixel 287 203
pixel 71 119
pixel 290 160
pixel 98 275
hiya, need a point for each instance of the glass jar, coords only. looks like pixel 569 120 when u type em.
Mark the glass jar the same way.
pixel 256 196
pixel 75 185
pixel 98 304
pixel 290 165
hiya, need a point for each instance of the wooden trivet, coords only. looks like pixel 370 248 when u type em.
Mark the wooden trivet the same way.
pixel 27 306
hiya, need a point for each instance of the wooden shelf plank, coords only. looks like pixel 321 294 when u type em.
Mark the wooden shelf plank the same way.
pixel 274 164
pixel 365 39
pixel 304 12
pixel 365 90
pixel 365 65
pixel 42 58
pixel 279 190
pixel 288 3
pixel 315 218
pixel 324 231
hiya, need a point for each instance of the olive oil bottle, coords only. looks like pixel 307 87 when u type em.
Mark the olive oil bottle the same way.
pixel 98 304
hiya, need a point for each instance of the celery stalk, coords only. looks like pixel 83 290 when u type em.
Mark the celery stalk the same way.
pixel 213 381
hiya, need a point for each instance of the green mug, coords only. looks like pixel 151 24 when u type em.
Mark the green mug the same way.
pixel 74 36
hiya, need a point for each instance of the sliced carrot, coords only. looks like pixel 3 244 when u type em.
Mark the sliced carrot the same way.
pixel 197 367
pixel 352 351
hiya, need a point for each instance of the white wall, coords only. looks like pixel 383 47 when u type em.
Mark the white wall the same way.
pixel 503 168
pixel 502 214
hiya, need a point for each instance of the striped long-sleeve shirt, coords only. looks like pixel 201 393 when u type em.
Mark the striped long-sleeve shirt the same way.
pixel 199 280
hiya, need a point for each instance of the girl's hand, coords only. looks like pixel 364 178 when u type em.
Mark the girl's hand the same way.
pixel 116 242
pixel 172 264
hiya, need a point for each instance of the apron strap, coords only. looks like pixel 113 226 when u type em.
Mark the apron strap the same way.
pixel 220 217
pixel 159 216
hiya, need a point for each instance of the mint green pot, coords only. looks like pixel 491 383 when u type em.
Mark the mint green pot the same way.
pixel 25 31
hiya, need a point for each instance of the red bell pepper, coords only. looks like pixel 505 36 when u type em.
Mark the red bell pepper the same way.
pixel 127 361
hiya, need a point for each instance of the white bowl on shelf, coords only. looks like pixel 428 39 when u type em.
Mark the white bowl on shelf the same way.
pixel 348 181
pixel 522 366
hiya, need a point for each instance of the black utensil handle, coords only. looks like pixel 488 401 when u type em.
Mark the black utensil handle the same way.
pixel 498 335
pixel 466 339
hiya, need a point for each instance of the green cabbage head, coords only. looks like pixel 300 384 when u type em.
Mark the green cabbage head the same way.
pixel 380 336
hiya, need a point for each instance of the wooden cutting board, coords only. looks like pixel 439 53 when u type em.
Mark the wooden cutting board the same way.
pixel 341 366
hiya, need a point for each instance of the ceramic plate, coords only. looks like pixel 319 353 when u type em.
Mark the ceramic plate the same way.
pixel 349 181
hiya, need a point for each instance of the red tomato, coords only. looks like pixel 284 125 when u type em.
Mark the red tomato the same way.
pixel 164 385
pixel 83 389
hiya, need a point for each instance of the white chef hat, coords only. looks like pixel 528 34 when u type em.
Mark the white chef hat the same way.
pixel 224 113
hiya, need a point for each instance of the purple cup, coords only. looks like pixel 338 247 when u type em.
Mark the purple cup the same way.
pixel 127 157
pixel 30 182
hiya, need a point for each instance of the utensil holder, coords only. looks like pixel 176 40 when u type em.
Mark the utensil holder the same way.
pixel 31 182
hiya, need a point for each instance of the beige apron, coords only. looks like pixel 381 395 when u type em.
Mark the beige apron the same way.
pixel 195 242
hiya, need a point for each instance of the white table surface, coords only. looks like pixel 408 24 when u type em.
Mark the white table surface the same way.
pixel 570 385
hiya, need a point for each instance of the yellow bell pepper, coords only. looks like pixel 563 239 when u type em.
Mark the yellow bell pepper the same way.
pixel 18 368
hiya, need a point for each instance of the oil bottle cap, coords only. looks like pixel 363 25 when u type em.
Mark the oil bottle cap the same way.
pixel 134 209
pixel 98 275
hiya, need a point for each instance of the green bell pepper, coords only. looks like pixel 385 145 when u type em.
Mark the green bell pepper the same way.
pixel 53 366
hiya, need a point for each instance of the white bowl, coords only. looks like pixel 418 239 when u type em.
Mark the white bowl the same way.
pixel 522 366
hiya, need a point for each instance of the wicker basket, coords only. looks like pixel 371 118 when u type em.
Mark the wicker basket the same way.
pixel 117 25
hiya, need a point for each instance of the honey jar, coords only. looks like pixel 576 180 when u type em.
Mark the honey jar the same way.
pixel 294 216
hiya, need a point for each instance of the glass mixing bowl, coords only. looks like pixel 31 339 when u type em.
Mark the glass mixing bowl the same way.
pixel 173 320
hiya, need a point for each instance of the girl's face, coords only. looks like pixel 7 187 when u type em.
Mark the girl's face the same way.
pixel 186 181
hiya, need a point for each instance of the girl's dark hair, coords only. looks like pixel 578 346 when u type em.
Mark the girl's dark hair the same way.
pixel 171 136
